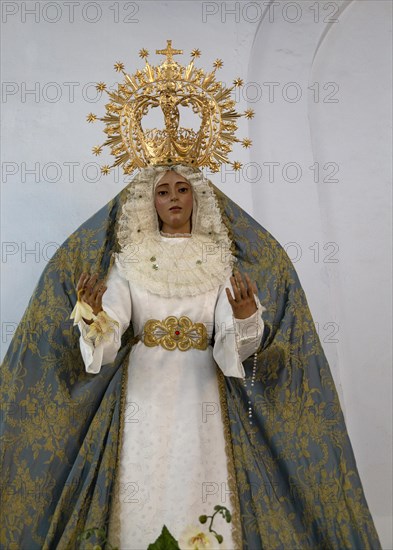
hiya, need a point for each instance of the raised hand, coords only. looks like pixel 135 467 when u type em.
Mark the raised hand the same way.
pixel 91 290
pixel 243 302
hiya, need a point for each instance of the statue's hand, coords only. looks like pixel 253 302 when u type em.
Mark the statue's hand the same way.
pixel 91 290
pixel 243 303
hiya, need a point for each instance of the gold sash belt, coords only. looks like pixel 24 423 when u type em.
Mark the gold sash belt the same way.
pixel 175 333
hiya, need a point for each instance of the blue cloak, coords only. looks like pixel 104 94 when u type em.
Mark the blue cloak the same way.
pixel 294 477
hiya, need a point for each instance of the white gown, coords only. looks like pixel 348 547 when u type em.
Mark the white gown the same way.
pixel 173 463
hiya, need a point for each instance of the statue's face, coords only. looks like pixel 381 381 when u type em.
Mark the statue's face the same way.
pixel 173 202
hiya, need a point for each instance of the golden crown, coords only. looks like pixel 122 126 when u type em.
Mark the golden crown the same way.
pixel 169 86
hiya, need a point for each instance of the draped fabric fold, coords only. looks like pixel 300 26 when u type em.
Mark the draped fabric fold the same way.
pixel 297 481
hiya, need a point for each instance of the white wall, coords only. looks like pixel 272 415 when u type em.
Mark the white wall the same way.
pixel 348 285
pixel 337 233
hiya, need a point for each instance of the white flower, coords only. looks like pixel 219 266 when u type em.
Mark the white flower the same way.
pixel 81 309
pixel 195 538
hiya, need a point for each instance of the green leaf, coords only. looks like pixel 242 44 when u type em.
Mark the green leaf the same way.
pixel 164 542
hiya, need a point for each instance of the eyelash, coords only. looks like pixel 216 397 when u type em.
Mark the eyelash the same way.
pixel 180 189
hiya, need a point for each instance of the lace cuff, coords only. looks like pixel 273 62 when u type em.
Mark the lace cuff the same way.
pixel 251 327
pixel 102 325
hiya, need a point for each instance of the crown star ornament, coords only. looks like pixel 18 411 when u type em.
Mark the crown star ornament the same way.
pixel 169 86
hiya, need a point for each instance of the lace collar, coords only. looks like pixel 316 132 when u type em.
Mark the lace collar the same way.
pixel 176 266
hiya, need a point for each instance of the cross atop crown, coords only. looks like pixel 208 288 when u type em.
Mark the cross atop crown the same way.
pixel 169 52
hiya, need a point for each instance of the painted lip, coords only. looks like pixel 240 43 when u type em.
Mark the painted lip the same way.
pixel 175 208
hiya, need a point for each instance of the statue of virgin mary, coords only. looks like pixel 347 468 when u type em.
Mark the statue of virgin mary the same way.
pixel 168 400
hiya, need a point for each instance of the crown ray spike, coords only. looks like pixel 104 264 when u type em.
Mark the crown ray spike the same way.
pixel 105 169
pixel 119 67
pixel 91 117
pixel 249 113
pixel 246 142
pixel 218 64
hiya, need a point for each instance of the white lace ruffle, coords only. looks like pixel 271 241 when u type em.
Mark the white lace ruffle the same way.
pixel 175 266
pixel 182 266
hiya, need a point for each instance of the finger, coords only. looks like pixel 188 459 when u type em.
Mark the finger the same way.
pixel 250 287
pixel 81 288
pixel 242 288
pixel 235 289
pixel 100 294
pixel 97 291
pixel 78 285
pixel 81 282
pixel 96 288
pixel 248 283
pixel 90 284
pixel 93 277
